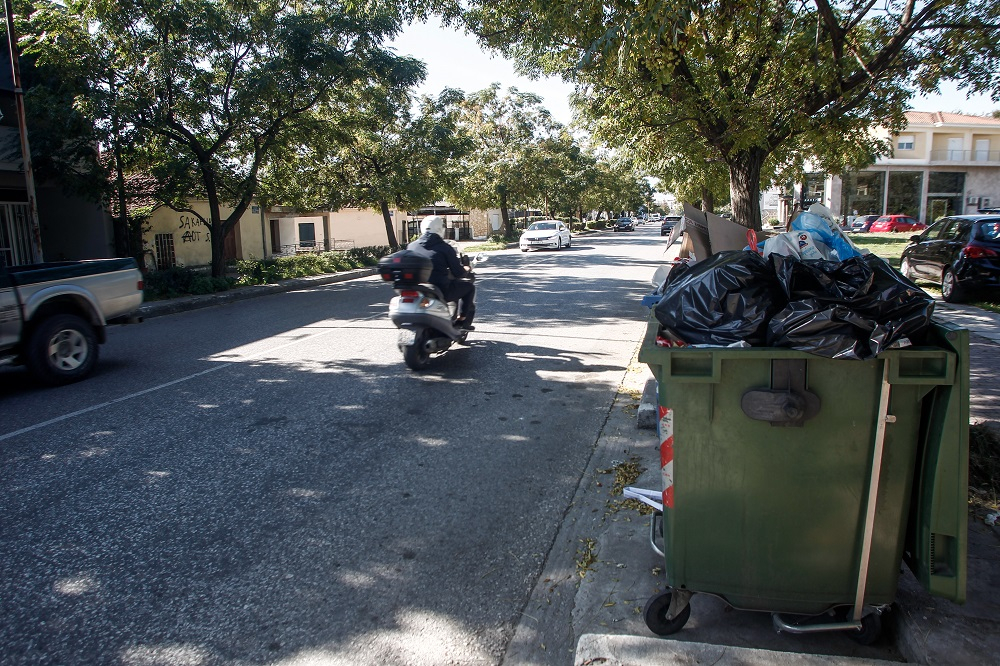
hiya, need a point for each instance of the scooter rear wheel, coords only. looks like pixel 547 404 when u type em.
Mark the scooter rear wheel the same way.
pixel 416 355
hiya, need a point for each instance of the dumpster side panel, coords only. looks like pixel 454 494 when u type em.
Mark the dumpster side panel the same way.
pixel 937 538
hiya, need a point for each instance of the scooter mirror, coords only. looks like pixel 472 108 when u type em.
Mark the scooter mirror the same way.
pixel 482 256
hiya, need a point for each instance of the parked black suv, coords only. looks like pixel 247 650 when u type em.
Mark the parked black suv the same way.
pixel 962 252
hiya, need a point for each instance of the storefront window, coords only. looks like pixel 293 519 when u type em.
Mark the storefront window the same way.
pixel 863 192
pixel 904 193
pixel 945 194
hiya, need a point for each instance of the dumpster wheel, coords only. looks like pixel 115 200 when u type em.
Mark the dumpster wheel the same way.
pixel 870 631
pixel 656 612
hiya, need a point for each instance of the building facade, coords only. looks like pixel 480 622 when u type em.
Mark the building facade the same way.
pixel 941 164
pixel 172 238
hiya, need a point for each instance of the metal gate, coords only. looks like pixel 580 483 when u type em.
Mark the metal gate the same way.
pixel 15 234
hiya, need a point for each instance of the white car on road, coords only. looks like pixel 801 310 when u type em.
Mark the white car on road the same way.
pixel 546 234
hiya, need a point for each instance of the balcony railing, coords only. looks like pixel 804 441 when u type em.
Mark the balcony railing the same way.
pixel 974 156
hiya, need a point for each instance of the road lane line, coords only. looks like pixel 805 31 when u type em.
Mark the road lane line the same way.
pixel 123 398
pixel 94 408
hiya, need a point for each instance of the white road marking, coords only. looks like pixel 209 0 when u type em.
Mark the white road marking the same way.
pixel 94 408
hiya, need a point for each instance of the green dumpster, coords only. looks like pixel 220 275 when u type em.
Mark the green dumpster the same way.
pixel 797 484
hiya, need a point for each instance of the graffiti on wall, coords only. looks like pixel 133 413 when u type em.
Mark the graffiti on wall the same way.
pixel 193 230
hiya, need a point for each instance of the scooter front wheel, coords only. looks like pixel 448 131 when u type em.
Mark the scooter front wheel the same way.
pixel 416 355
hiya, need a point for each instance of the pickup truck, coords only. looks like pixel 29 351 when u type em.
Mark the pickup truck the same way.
pixel 54 315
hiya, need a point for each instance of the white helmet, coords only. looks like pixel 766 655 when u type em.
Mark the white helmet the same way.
pixel 432 224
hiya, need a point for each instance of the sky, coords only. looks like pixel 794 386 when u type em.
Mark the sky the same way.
pixel 456 60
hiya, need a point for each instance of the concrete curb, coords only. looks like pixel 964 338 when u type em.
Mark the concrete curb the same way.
pixel 610 650
pixel 186 303
pixel 649 407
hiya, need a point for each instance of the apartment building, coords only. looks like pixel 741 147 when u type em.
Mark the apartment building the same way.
pixel 941 164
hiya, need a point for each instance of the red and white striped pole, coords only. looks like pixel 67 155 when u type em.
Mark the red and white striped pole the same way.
pixel 666 429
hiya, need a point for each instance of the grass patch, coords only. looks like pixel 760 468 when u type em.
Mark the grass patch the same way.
pixel 888 246
pixel 182 281
pixel 992 307
pixel 265 271
pixel 488 246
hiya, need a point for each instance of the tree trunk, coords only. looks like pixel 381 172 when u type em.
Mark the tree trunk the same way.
pixel 123 246
pixel 217 225
pixel 121 226
pixel 390 234
pixel 218 231
pixel 707 200
pixel 507 233
pixel 744 187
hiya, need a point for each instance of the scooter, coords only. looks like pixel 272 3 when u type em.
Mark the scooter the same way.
pixel 427 322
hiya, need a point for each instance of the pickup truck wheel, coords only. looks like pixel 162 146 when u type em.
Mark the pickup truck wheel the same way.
pixel 63 349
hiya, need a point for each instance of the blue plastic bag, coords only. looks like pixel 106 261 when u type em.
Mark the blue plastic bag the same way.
pixel 821 232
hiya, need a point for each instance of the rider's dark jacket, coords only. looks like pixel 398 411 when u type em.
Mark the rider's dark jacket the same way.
pixel 442 255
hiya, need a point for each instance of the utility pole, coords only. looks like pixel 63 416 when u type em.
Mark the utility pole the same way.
pixel 29 178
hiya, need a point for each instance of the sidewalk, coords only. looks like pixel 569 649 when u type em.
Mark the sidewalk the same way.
pixel 936 631
pixel 185 303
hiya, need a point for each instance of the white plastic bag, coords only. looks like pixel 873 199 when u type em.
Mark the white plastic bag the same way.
pixel 793 244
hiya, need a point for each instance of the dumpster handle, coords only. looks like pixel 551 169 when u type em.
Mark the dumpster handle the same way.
pixel 866 545
pixel 652 531
pixel 781 625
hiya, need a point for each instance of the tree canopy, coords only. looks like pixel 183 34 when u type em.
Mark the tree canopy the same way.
pixel 505 128
pixel 758 86
pixel 372 149
pixel 212 88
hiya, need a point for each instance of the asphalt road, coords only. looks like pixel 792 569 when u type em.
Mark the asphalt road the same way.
pixel 266 483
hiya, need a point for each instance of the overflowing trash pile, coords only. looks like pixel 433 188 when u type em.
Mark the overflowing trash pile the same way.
pixel 808 289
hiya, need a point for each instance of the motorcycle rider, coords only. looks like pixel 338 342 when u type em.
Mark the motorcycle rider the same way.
pixel 448 269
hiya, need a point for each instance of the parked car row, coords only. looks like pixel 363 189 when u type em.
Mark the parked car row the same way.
pixel 961 252
pixel 885 224
pixel 863 223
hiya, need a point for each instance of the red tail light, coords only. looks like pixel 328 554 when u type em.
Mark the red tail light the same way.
pixel 978 252
pixel 409 296
pixel 140 285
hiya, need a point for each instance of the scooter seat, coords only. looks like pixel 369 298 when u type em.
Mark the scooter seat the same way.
pixel 432 290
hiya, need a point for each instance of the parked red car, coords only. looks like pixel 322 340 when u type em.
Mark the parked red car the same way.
pixel 896 223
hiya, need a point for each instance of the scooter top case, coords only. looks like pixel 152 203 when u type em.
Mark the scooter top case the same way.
pixel 405 268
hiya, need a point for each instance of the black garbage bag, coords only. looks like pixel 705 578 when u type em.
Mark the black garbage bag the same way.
pixel 727 298
pixel 900 308
pixel 853 309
